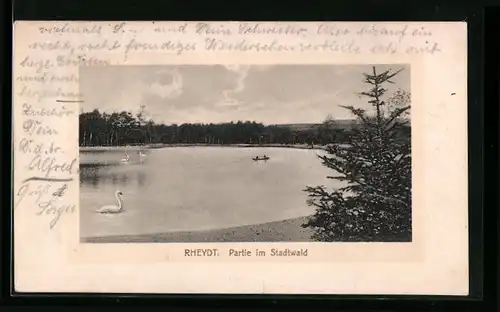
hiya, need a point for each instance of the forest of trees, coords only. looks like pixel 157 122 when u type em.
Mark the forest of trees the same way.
pixel 125 128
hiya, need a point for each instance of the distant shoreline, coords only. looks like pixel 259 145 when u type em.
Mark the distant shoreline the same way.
pixel 289 230
pixel 157 146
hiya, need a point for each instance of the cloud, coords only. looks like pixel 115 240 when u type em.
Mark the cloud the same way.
pixel 202 86
pixel 241 72
pixel 168 85
pixel 294 86
pixel 214 93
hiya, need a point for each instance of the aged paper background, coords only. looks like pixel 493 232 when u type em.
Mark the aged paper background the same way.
pixel 49 258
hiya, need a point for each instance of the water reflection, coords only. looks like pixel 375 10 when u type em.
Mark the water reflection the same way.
pixel 96 175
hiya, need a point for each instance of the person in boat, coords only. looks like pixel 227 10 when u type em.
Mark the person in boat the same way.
pixel 260 157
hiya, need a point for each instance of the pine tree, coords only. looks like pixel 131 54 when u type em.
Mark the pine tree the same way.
pixel 376 166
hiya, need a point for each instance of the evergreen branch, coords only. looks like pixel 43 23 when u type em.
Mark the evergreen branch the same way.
pixel 387 77
pixel 354 179
pixel 397 113
pixel 356 111
pixel 320 192
pixel 393 199
pixel 335 177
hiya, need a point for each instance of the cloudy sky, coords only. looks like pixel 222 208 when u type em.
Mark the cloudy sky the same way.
pixel 222 93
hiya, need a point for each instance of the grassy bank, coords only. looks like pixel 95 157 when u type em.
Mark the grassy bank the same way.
pixel 147 146
pixel 280 231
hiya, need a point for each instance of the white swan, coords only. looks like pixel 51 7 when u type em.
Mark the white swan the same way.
pixel 126 159
pixel 141 156
pixel 113 208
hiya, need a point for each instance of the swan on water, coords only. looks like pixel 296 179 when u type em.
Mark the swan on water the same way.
pixel 141 156
pixel 126 159
pixel 113 208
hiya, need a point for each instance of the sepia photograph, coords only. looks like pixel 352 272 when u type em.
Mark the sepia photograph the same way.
pixel 279 161
pixel 245 153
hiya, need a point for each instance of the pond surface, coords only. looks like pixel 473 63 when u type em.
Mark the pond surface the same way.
pixel 196 188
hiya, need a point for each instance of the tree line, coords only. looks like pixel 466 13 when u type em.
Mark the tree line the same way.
pixel 124 128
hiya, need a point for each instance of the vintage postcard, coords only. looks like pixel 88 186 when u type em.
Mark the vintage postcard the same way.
pixel 240 157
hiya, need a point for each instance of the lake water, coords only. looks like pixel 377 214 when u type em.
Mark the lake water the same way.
pixel 196 188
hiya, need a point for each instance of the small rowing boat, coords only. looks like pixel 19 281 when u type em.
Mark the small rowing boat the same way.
pixel 260 158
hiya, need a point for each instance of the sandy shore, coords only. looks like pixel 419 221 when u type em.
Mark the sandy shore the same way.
pixel 280 231
pixel 118 148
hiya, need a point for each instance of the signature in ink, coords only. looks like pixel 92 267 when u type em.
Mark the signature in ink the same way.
pixel 26 190
pixel 51 207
